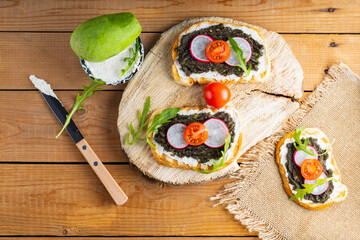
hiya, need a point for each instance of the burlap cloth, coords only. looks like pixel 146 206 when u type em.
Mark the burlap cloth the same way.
pixel 258 199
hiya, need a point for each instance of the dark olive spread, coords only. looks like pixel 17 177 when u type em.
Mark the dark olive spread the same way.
pixel 218 32
pixel 294 172
pixel 201 153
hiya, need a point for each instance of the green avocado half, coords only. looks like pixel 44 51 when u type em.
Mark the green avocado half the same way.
pixel 100 38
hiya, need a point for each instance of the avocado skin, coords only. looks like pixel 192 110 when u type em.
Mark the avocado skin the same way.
pixel 100 38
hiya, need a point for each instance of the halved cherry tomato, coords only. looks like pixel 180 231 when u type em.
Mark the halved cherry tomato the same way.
pixel 311 169
pixel 217 51
pixel 195 134
pixel 217 94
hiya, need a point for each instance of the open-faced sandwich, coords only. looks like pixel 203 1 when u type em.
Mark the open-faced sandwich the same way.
pixel 197 138
pixel 211 51
pixel 205 139
pixel 308 169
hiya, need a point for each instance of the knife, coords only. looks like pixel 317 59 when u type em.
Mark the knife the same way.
pixel 60 112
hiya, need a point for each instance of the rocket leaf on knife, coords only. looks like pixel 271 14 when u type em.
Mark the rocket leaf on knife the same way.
pixel 159 119
pixel 132 59
pixel 309 188
pixel 239 55
pixel 142 123
pixel 221 162
pixel 88 92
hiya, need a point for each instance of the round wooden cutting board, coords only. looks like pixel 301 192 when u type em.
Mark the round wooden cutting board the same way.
pixel 262 107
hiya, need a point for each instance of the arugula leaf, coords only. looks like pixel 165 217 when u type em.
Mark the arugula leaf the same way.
pixel 142 123
pixel 159 119
pixel 303 146
pixel 239 55
pixel 132 59
pixel 298 143
pixel 221 162
pixel 309 188
pixel 88 92
pixel 327 148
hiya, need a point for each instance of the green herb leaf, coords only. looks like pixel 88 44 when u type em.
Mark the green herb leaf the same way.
pixel 159 119
pixel 142 123
pixel 132 59
pixel 239 55
pixel 303 146
pixel 298 143
pixel 88 92
pixel 221 162
pixel 327 148
pixel 309 188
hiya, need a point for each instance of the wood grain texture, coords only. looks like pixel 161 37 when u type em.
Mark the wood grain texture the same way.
pixel 139 238
pixel 28 127
pixel 70 200
pixel 50 57
pixel 340 16
pixel 47 55
pixel 27 131
pixel 103 174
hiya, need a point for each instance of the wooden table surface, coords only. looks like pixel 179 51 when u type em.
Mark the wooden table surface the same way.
pixel 47 188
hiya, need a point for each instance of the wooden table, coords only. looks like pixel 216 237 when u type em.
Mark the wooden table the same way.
pixel 47 188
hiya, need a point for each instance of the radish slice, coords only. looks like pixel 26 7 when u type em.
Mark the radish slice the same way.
pixel 300 156
pixel 245 47
pixel 175 136
pixel 218 132
pixel 319 189
pixel 197 47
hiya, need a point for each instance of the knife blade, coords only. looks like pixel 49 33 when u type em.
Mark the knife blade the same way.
pixel 60 112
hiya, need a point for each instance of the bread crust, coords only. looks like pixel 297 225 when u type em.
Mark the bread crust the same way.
pixel 203 80
pixel 166 160
pixel 311 206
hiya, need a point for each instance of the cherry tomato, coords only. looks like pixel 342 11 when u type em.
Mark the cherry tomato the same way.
pixel 311 169
pixel 217 51
pixel 217 94
pixel 195 134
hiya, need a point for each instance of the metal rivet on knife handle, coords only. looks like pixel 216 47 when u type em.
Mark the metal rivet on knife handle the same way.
pixel 105 177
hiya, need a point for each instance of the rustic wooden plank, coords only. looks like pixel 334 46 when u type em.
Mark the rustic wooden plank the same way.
pixel 70 200
pixel 316 53
pixel 139 238
pixel 28 127
pixel 50 57
pixel 156 16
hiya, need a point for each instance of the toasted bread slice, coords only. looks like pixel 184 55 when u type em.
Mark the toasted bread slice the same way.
pixel 232 153
pixel 205 78
pixel 339 189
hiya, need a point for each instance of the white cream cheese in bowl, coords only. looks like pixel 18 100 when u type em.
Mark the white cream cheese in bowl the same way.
pixel 109 70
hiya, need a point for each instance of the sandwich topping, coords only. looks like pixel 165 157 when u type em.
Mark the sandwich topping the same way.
pixel 295 177
pixel 309 168
pixel 189 65
pixel 200 153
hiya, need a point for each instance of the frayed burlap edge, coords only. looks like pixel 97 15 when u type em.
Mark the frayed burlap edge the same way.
pixel 257 157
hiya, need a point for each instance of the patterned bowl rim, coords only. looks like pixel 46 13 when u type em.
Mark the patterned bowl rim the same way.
pixel 124 80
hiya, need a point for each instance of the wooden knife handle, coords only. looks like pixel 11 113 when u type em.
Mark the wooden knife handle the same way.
pixel 105 177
